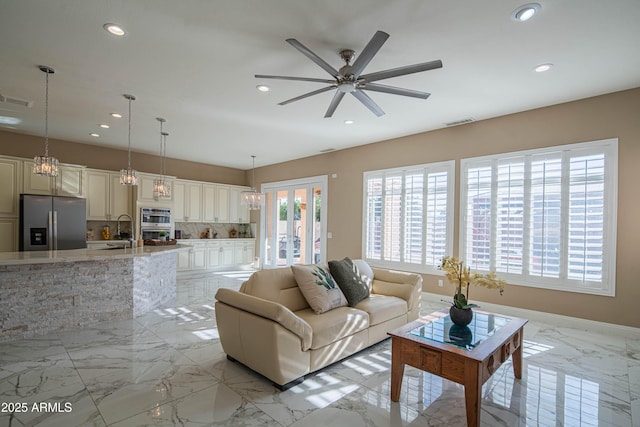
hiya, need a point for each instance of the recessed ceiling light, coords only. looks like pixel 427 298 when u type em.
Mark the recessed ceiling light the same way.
pixel 542 68
pixel 95 135
pixel 348 122
pixel 116 115
pixel 263 88
pixel 526 12
pixel 114 29
pixel 103 126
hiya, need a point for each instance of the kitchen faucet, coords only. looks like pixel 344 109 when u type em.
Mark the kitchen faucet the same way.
pixel 133 228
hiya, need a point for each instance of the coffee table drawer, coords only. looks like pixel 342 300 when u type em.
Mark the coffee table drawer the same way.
pixel 430 361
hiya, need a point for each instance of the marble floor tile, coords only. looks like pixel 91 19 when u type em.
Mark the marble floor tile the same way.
pixel 168 368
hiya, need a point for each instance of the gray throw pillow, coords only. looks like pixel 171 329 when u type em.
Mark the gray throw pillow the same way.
pixel 350 281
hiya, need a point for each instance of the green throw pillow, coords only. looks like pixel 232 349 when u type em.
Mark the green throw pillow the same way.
pixel 350 281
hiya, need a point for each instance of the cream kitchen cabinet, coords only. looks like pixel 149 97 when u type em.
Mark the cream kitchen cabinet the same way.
pixel 10 174
pixel 9 233
pixel 238 213
pixel 193 259
pixel 244 252
pixel 187 201
pixel 144 191
pixel 215 203
pixel 69 182
pixel 106 197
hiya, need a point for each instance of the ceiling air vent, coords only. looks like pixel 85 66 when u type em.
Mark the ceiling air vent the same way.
pixel 459 122
pixel 16 101
pixel 326 150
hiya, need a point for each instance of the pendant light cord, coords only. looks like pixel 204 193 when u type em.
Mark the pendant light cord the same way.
pixel 129 155
pixel 46 116
pixel 253 173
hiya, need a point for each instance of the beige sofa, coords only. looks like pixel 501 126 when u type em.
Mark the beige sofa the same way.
pixel 269 327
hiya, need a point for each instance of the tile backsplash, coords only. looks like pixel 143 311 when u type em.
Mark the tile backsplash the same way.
pixel 193 230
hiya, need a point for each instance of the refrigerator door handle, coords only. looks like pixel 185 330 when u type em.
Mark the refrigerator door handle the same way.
pixel 50 231
pixel 55 230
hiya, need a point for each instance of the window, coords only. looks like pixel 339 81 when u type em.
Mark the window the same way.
pixel 408 216
pixel 544 218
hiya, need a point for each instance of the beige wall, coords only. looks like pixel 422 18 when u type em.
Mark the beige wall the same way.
pixel 614 115
pixel 20 145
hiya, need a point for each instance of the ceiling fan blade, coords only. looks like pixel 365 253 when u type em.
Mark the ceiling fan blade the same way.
pixel 334 104
pixel 315 58
pixel 368 102
pixel 401 71
pixel 306 95
pixel 394 90
pixel 369 52
pixel 302 79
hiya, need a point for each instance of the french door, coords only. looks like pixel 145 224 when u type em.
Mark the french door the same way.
pixel 294 222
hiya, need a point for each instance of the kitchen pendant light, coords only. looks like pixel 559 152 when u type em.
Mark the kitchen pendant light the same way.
pixel 129 176
pixel 253 199
pixel 161 187
pixel 46 165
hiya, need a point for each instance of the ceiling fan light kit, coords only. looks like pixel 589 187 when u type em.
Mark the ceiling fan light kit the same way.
pixel 349 78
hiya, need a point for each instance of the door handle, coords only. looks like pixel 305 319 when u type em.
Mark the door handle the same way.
pixel 55 230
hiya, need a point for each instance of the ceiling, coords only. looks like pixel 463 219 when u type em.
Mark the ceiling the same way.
pixel 193 62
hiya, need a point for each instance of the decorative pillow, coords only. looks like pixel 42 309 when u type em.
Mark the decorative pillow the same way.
pixel 318 287
pixel 350 281
pixel 365 271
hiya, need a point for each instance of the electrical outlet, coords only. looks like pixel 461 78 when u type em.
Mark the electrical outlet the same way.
pixel 440 282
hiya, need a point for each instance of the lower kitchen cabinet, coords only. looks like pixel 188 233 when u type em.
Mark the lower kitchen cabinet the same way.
pixel 220 254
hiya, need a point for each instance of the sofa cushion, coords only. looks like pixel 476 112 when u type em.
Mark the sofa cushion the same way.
pixel 277 285
pixel 318 287
pixel 381 308
pixel 366 271
pixel 334 325
pixel 348 278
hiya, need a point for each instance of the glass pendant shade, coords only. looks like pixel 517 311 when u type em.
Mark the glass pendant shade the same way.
pixel 46 165
pixel 129 176
pixel 251 198
pixel 161 186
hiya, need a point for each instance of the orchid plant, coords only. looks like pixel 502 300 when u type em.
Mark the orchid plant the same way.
pixel 458 274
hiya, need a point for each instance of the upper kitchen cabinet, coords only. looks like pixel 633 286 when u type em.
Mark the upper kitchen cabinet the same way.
pixel 238 213
pixel 68 183
pixel 107 198
pixel 187 201
pixel 10 174
pixel 215 201
pixel 144 191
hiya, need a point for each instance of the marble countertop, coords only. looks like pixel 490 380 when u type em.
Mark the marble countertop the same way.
pixel 73 255
pixel 226 239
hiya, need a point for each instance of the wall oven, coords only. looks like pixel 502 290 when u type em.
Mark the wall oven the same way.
pixel 155 223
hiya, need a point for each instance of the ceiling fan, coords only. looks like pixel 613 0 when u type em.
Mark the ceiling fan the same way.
pixel 349 78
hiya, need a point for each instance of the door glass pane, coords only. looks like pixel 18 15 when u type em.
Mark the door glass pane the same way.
pixel 317 225
pixel 283 238
pixel 299 241
pixel 269 238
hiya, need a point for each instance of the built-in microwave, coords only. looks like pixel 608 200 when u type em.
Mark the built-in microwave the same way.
pixel 155 217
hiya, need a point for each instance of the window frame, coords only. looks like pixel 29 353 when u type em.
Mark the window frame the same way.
pixel 448 166
pixel 609 147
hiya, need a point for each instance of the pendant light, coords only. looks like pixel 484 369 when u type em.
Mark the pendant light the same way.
pixel 161 187
pixel 129 176
pixel 45 165
pixel 253 199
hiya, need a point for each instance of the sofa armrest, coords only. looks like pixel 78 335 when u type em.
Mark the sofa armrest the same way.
pixel 269 310
pixel 407 286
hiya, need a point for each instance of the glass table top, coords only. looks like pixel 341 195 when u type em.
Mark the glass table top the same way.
pixel 445 331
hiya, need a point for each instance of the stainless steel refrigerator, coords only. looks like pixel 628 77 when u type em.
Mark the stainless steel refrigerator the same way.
pixel 50 223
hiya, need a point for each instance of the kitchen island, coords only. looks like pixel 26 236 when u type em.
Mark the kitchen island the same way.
pixel 49 291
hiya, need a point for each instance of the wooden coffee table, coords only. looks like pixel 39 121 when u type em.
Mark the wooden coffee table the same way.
pixel 467 356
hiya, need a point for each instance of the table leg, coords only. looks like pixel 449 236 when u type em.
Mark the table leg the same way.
pixel 397 370
pixel 472 392
pixel 516 358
